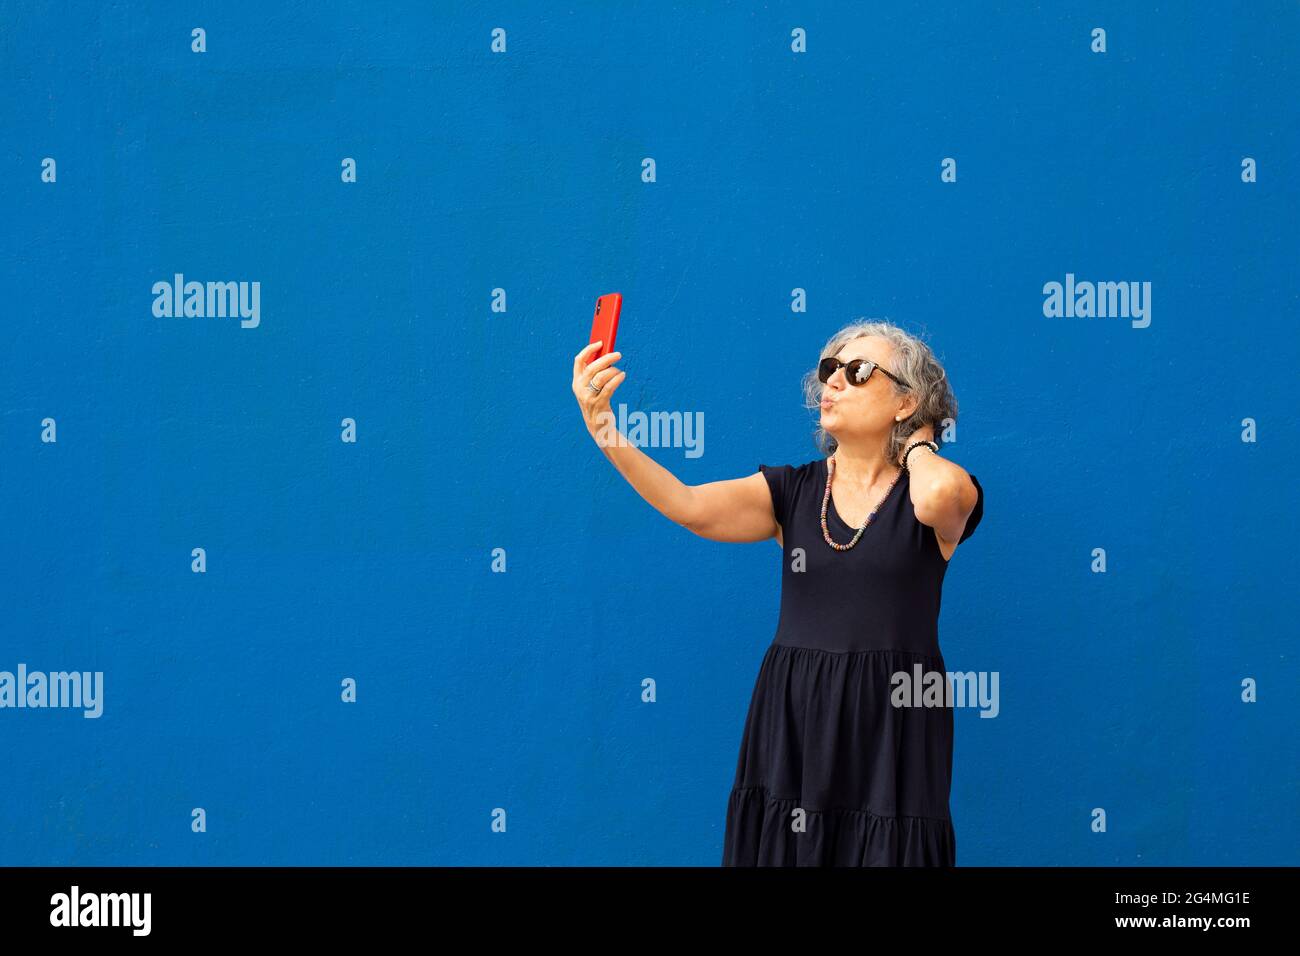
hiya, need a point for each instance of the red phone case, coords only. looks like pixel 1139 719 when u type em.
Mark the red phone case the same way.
pixel 604 326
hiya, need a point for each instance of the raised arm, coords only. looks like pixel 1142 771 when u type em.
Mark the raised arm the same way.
pixel 736 510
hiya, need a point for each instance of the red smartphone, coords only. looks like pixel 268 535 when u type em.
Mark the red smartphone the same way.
pixel 604 326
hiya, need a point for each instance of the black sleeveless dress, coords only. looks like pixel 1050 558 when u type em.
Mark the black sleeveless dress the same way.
pixel 822 735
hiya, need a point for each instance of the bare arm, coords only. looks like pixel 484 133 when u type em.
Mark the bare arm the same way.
pixel 943 495
pixel 735 510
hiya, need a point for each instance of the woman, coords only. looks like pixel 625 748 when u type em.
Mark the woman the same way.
pixel 835 767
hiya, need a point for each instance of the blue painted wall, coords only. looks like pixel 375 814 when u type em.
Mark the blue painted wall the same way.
pixel 522 171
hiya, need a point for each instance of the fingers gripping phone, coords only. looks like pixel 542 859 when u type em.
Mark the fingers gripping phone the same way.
pixel 604 326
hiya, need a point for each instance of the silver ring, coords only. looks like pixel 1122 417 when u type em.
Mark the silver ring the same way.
pixel 594 387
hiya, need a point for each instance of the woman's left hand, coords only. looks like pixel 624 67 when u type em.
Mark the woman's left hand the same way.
pixel 924 433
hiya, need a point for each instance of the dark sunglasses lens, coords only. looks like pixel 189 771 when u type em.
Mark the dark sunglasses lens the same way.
pixel 859 371
pixel 826 368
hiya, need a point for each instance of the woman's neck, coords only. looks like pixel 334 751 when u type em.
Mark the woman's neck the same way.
pixel 861 468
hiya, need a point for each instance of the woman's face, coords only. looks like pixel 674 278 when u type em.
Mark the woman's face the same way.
pixel 861 410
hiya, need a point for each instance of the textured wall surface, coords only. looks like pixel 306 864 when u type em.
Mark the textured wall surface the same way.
pixel 523 170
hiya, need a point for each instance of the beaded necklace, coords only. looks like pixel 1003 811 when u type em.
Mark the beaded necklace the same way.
pixel 826 500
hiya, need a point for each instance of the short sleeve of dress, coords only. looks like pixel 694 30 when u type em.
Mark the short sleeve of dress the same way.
pixel 973 521
pixel 780 481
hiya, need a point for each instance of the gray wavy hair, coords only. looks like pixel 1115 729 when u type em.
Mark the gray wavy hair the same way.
pixel 914 363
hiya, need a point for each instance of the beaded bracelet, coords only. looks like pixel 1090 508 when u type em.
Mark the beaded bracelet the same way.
pixel 917 444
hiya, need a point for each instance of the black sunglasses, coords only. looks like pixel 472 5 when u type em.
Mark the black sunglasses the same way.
pixel 857 372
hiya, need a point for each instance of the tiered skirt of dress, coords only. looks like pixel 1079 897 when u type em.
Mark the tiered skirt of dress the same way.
pixel 832 772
